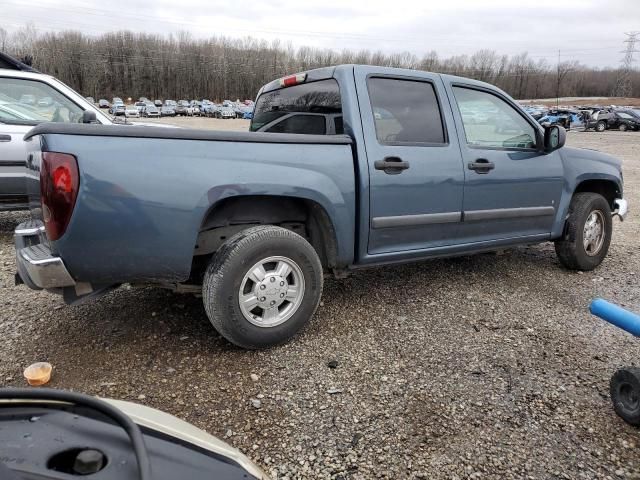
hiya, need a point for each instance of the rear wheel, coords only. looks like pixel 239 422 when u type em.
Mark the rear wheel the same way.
pixel 601 126
pixel 262 286
pixel 622 127
pixel 587 234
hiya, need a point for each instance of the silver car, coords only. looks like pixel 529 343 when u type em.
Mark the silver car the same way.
pixel 28 98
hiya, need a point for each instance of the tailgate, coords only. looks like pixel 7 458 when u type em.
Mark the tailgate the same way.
pixel 34 157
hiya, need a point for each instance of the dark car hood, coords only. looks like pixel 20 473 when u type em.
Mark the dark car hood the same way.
pixel 588 154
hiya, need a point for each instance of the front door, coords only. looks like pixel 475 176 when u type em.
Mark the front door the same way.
pixel 415 170
pixel 511 189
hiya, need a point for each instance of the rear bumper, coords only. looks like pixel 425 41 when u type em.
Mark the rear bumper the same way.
pixel 37 267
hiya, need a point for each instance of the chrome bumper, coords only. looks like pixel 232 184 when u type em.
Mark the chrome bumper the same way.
pixel 37 267
pixel 621 208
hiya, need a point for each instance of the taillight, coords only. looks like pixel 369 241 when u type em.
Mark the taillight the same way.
pixel 59 181
pixel 293 80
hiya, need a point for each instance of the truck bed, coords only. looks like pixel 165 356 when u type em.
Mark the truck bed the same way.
pixel 144 192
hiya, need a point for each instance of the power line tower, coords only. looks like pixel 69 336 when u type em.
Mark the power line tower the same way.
pixel 623 82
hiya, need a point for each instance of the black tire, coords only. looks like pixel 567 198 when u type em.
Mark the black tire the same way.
pixel 570 248
pixel 625 394
pixel 225 274
pixel 601 126
pixel 623 127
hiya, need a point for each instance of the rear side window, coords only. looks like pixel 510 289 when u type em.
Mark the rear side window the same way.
pixel 320 101
pixel 405 112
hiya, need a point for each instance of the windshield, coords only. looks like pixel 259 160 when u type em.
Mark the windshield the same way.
pixel 625 116
pixel 322 97
pixel 29 102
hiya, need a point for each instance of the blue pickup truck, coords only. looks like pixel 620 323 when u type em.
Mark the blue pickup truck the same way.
pixel 343 168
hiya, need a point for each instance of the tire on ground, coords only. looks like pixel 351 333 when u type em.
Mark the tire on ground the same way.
pixel 225 274
pixel 601 126
pixel 570 247
pixel 625 394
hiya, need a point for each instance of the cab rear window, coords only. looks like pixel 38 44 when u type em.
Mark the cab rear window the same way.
pixel 308 108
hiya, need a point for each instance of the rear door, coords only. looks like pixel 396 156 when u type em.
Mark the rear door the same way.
pixel 415 170
pixel 511 188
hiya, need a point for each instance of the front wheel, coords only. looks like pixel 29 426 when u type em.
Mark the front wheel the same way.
pixel 622 127
pixel 262 286
pixel 588 231
pixel 601 126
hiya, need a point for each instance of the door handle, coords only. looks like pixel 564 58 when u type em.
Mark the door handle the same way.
pixel 5 138
pixel 481 165
pixel 391 165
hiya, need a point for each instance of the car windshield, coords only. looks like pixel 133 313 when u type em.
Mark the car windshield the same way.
pixel 626 116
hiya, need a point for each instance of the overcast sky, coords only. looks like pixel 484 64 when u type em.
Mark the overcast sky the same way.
pixel 591 31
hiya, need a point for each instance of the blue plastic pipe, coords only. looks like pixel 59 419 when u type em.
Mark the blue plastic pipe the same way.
pixel 616 315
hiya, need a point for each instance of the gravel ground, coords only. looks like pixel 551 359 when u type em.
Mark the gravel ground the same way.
pixel 477 367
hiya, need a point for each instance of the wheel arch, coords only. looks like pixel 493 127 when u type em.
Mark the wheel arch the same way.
pixel 605 184
pixel 304 216
pixel 608 188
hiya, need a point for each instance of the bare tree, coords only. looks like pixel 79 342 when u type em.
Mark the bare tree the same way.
pixel 128 64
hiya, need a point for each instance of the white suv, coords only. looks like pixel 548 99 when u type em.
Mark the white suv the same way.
pixel 28 98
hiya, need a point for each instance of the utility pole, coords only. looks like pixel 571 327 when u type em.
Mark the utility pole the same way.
pixel 623 82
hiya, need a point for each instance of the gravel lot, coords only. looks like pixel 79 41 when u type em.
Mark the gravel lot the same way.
pixel 477 367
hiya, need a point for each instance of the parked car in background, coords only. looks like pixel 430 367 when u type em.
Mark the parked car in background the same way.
pixel 21 89
pixel 211 110
pixel 622 120
pixel 257 217
pixel 103 103
pixel 150 111
pixel 157 103
pixel 196 107
pixel 117 100
pixel 183 108
pixel 167 111
pixel 117 109
pixel 226 112
pixel 140 106
pixel 131 111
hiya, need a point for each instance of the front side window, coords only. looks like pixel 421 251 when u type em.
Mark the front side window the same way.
pixel 491 122
pixel 303 108
pixel 29 102
pixel 405 111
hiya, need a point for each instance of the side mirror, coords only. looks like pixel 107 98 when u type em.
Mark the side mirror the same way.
pixel 554 138
pixel 89 117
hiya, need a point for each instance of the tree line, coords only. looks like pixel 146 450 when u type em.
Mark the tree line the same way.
pixel 129 64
